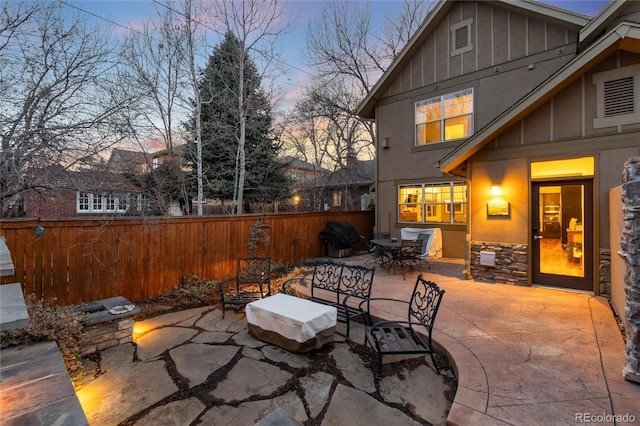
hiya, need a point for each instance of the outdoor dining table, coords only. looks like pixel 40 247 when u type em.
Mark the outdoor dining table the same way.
pixel 390 252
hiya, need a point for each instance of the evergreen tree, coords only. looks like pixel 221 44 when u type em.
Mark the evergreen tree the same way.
pixel 221 91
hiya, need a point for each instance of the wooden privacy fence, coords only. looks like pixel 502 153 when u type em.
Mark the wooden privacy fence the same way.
pixel 82 260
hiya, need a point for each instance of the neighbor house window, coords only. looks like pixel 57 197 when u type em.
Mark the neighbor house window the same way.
pixel 83 202
pixel 87 202
pixel 433 203
pixel 444 118
pixel 337 199
pixel 617 97
pixel 461 37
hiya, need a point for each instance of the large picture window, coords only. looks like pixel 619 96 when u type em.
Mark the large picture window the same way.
pixel 444 118
pixel 433 203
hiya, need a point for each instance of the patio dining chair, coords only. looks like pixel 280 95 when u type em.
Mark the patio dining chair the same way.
pixel 424 249
pixel 410 337
pixel 253 282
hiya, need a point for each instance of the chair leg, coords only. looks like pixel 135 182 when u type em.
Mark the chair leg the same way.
pixel 378 374
pixel 434 362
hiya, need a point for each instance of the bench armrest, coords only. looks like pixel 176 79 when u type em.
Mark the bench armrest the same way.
pixel 372 299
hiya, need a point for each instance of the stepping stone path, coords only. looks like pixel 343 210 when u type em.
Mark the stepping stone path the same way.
pixel 193 367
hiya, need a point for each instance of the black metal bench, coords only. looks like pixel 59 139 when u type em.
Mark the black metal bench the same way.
pixel 345 287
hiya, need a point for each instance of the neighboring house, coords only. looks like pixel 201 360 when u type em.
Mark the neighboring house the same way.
pixel 299 170
pixel 138 162
pixel 86 193
pixel 346 189
pixel 506 124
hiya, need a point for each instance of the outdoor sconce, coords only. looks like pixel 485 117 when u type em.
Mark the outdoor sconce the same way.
pixel 296 199
pixel 497 206
pixel 39 231
pixel 386 143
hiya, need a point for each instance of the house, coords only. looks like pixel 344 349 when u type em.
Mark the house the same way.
pixel 506 124
pixel 139 162
pixel 84 193
pixel 346 189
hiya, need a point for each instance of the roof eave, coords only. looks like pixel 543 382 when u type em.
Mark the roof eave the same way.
pixel 595 52
pixel 599 23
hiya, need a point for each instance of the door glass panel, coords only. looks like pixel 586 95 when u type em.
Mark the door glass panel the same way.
pixel 561 213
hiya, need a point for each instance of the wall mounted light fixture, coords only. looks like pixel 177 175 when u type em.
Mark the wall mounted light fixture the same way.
pixel 497 206
pixel 39 231
pixel 386 143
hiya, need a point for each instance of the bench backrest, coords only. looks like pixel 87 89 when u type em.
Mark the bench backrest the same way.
pixel 343 280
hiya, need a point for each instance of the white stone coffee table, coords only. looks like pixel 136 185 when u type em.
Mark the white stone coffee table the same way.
pixel 295 324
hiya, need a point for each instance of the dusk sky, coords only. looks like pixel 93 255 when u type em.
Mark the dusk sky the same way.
pixel 121 15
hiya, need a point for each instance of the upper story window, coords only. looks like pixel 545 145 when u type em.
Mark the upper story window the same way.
pixel 461 37
pixel 617 97
pixel 444 118
pixel 433 203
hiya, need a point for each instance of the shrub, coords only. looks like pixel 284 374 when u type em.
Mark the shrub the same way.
pixel 48 321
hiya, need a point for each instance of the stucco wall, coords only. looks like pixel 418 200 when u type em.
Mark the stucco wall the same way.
pixel 512 175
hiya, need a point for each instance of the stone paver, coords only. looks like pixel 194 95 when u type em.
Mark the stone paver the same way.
pixel 251 412
pixel 123 392
pixel 523 356
pixel 253 378
pixel 423 390
pixel 249 378
pixel 157 341
pixel 196 361
pixel 350 406
pixel 353 369
pixel 181 412
pixel 317 388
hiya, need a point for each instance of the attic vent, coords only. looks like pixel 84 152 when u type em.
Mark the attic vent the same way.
pixel 618 96
pixel 461 37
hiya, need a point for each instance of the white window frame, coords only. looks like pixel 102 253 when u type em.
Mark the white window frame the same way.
pixel 451 204
pixel 83 202
pixel 87 202
pixel 599 79
pixel 443 118
pixel 454 30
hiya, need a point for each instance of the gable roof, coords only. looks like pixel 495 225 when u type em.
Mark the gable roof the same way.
pixel 296 163
pixel 530 8
pixel 624 36
pixel 359 173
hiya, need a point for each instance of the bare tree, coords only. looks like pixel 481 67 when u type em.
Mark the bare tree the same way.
pixel 257 25
pixel 191 34
pixel 157 60
pixel 343 41
pixel 60 101
pixel 350 55
pixel 158 72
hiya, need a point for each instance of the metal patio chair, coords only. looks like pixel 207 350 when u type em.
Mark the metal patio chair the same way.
pixel 253 282
pixel 412 336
